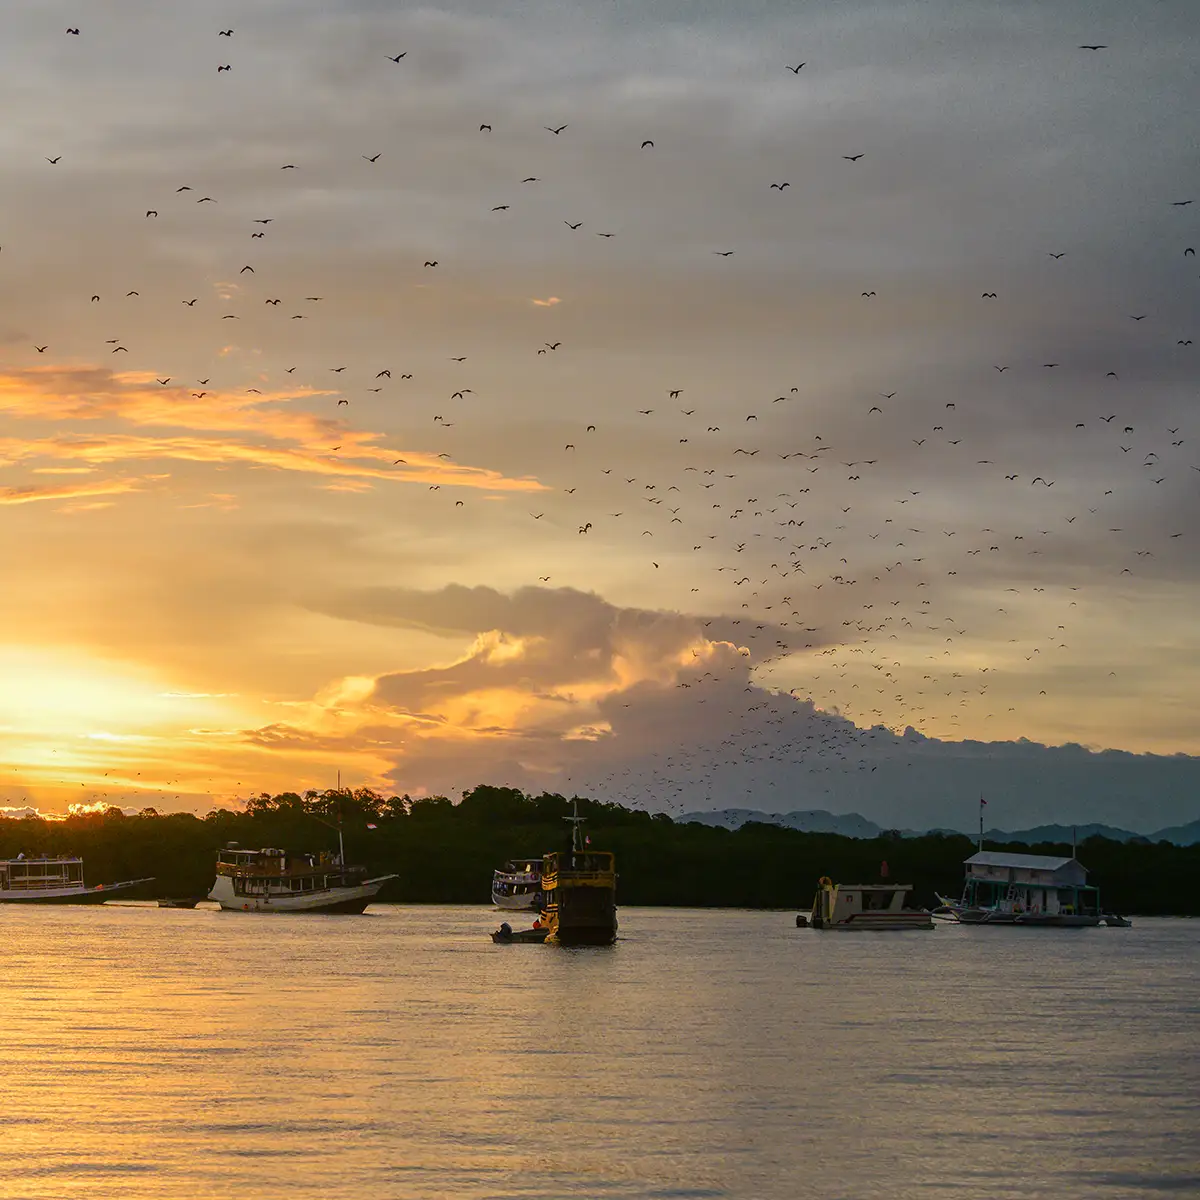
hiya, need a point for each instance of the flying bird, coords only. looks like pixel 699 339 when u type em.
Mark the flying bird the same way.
pixel 395 57
pixel 556 132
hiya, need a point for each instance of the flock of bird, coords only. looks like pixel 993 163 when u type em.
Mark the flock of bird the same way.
pixel 844 551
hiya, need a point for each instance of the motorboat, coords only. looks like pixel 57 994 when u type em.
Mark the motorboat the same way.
pixel 866 906
pixel 506 935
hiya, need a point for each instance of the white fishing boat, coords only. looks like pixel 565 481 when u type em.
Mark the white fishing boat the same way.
pixel 57 880
pixel 866 906
pixel 277 882
pixel 517 886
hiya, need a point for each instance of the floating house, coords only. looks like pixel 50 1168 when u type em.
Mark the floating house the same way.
pixel 1002 888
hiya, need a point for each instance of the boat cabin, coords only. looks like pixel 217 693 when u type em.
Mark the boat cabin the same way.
pixel 866 906
pixel 272 872
pixel 1035 884
pixel 580 889
pixel 23 874
pixel 519 878
pixel 580 865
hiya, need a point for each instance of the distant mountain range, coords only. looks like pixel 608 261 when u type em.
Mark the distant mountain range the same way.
pixel 818 820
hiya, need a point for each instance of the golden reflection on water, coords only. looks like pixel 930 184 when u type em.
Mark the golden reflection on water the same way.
pixel 174 1053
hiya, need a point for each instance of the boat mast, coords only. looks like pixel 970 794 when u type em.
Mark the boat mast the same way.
pixel 341 842
pixel 576 820
pixel 982 802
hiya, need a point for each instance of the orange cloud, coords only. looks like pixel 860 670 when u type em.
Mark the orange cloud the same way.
pixel 68 491
pixel 549 302
pixel 295 440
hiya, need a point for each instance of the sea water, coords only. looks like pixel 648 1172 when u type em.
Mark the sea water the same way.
pixel 710 1053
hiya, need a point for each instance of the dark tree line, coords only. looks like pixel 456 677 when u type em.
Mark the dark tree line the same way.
pixel 445 852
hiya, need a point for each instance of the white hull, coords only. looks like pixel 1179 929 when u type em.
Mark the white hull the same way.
pixel 50 893
pixel 69 894
pixel 527 903
pixel 878 921
pixel 342 899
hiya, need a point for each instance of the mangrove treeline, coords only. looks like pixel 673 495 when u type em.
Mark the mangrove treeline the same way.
pixel 445 852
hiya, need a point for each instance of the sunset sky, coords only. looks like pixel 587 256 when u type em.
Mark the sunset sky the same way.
pixel 335 437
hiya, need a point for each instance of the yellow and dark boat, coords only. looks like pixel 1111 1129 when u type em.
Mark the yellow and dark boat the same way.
pixel 580 889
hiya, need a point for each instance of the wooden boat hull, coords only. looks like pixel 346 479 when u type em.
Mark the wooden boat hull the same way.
pixel 92 895
pixel 586 936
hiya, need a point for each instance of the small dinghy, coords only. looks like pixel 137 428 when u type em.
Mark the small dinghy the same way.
pixel 507 934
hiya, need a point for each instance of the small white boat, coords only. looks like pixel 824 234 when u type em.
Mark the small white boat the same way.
pixel 274 881
pixel 55 881
pixel 870 906
pixel 517 886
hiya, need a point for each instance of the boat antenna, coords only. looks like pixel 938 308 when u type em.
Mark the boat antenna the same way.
pixel 982 806
pixel 338 826
pixel 576 820
pixel 1072 841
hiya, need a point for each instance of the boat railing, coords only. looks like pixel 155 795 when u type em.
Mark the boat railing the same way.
pixel 42 858
pixel 33 883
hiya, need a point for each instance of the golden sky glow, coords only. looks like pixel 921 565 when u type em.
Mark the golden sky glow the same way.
pixel 313 461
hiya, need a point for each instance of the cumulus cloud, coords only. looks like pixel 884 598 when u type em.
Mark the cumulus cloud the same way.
pixel 560 689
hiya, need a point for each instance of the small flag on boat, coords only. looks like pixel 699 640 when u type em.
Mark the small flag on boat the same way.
pixel 587 841
pixel 370 826
pixel 982 802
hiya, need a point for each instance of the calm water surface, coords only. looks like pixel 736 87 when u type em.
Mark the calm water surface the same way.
pixel 159 1053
